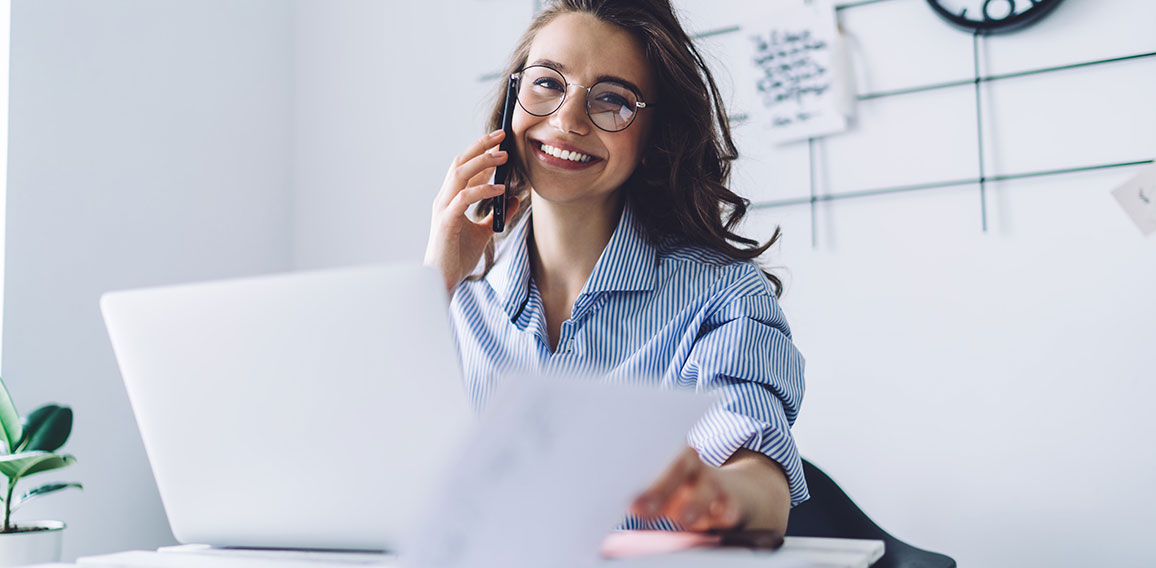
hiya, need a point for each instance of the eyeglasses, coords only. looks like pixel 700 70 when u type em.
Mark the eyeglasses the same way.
pixel 610 105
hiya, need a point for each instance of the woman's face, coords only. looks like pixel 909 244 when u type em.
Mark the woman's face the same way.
pixel 584 49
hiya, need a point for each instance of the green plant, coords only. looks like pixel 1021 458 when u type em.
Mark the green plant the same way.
pixel 30 444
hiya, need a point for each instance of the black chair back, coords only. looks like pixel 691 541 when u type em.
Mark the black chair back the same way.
pixel 831 513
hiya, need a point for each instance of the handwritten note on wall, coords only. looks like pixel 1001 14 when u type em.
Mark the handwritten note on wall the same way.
pixel 796 71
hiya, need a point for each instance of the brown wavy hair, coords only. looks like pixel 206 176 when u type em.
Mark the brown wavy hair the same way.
pixel 679 189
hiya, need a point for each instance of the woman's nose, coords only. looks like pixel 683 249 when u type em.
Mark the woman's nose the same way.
pixel 571 116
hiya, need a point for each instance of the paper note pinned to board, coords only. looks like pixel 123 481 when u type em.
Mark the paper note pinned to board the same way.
pixel 550 471
pixel 796 75
pixel 1138 198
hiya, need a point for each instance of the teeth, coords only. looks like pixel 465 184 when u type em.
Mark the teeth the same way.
pixel 565 154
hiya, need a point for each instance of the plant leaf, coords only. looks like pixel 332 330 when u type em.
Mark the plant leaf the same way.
pixel 46 428
pixel 10 428
pixel 41 491
pixel 19 465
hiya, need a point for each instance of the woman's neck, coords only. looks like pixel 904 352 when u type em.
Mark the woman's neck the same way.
pixel 567 241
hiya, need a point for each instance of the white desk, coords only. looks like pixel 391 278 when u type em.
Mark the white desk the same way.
pixel 797 552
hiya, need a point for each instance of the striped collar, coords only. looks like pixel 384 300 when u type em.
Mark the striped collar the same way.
pixel 628 263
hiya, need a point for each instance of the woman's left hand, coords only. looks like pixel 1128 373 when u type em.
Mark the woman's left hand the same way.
pixel 695 495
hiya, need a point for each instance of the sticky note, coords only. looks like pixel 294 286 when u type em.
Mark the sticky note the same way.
pixel 1138 198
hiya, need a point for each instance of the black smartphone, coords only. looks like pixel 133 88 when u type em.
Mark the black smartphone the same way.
pixel 500 173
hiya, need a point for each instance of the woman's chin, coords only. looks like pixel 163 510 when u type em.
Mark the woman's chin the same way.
pixel 571 194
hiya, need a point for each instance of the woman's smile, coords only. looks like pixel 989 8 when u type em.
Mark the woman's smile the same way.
pixel 562 155
pixel 568 158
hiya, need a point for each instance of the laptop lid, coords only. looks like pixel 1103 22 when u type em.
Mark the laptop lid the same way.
pixel 303 410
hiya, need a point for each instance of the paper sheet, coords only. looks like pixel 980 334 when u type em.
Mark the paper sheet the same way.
pixel 550 471
pixel 796 78
pixel 1138 198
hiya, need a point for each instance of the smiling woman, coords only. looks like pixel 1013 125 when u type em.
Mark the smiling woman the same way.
pixel 621 258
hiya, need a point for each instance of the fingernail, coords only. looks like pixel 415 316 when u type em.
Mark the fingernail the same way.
pixel 499 186
pixel 498 154
pixel 495 133
pixel 716 508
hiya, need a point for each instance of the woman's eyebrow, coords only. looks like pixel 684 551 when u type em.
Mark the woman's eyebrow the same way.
pixel 562 69
pixel 548 63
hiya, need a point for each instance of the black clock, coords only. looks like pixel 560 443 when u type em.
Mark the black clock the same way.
pixel 992 16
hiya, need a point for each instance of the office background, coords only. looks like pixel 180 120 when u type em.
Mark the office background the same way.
pixel 981 393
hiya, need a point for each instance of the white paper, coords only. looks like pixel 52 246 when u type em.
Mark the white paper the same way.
pixel 550 471
pixel 1138 198
pixel 795 75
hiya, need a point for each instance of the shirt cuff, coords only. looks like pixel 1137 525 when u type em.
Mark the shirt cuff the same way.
pixel 719 434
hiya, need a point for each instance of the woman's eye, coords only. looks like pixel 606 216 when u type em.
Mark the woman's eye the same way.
pixel 612 99
pixel 549 84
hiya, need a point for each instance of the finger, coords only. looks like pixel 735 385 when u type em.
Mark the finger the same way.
pixel 471 195
pixel 482 176
pixel 725 512
pixel 479 146
pixel 719 510
pixel 690 504
pixel 485 226
pixel 485 175
pixel 472 151
pixel 459 176
pixel 657 496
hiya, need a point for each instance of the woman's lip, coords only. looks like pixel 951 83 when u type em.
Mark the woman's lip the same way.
pixel 559 162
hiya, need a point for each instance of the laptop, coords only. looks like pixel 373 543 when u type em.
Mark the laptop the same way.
pixel 310 410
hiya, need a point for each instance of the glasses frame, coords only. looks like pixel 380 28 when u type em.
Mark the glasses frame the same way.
pixel 638 104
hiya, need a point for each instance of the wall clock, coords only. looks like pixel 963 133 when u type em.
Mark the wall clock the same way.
pixel 992 16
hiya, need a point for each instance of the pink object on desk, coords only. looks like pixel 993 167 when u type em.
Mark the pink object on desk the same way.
pixel 626 544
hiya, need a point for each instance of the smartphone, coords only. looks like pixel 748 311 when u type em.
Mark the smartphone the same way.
pixel 500 174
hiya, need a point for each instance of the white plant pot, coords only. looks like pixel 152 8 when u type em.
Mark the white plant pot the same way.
pixel 39 546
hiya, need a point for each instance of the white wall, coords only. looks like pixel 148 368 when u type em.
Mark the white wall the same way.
pixel 978 394
pixel 384 91
pixel 344 110
pixel 150 143
pixel 983 395
pixel 5 20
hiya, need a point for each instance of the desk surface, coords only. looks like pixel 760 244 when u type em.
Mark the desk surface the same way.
pixel 796 552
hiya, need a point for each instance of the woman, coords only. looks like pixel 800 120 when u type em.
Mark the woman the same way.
pixel 617 259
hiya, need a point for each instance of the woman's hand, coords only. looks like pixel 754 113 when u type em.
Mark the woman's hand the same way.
pixel 749 491
pixel 456 242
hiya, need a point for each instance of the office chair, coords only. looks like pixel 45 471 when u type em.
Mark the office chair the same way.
pixel 831 513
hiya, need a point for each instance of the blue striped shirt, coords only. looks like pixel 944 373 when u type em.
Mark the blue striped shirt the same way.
pixel 676 317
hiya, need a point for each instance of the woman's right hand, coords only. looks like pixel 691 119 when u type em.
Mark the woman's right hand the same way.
pixel 456 242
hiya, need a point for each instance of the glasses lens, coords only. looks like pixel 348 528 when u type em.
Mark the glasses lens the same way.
pixel 612 106
pixel 541 90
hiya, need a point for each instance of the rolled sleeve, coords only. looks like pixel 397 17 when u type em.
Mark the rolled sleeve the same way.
pixel 744 354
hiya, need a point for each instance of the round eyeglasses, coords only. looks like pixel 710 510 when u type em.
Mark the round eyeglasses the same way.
pixel 610 105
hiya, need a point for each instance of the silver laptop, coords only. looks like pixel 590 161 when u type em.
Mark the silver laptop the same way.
pixel 309 410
